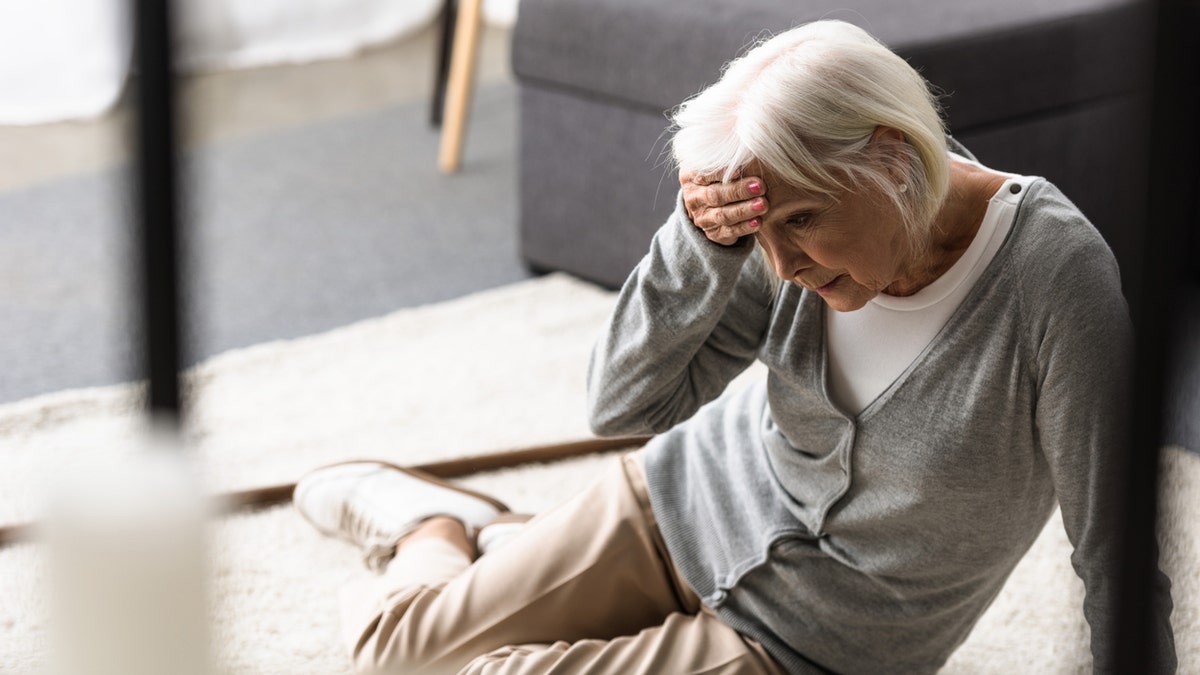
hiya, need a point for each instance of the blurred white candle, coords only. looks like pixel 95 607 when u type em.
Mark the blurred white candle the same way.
pixel 127 563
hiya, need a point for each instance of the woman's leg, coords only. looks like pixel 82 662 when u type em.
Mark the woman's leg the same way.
pixel 594 568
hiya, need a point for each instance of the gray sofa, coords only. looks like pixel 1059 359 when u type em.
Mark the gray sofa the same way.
pixel 1054 88
pixel 1047 88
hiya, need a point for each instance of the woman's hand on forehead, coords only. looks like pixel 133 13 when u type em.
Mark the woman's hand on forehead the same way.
pixel 725 212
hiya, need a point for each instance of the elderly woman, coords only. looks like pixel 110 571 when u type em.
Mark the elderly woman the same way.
pixel 946 345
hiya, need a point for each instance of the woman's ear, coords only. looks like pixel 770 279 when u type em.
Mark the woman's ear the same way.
pixel 891 147
pixel 886 134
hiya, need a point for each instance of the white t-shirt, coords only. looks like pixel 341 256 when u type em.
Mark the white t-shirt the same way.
pixel 869 348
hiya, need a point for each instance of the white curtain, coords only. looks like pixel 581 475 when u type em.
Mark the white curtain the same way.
pixel 60 59
pixel 68 59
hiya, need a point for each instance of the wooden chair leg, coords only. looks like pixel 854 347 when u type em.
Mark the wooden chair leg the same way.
pixel 462 75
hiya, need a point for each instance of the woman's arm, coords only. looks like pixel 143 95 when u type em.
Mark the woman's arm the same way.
pixel 1084 356
pixel 689 319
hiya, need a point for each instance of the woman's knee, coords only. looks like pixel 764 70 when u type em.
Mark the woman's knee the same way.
pixel 397 642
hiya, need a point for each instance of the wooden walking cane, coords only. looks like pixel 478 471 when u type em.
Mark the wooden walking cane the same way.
pixel 230 502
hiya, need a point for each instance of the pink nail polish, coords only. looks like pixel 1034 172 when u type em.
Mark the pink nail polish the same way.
pixel 755 188
pixel 753 223
pixel 758 205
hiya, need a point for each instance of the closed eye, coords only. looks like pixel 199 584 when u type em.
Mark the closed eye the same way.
pixel 799 220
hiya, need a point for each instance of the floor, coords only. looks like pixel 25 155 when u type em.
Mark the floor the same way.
pixel 65 274
pixel 225 105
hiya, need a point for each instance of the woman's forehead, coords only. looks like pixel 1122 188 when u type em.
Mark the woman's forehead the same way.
pixel 773 178
pixel 781 190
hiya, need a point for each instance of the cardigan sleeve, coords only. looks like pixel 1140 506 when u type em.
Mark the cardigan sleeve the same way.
pixel 687 321
pixel 1084 356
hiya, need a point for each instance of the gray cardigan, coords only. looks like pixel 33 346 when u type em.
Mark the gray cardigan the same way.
pixel 873 543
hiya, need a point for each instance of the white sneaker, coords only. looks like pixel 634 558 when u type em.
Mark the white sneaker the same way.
pixel 498 532
pixel 375 504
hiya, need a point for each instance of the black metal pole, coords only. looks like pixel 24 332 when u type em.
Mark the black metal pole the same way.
pixel 442 75
pixel 156 199
pixel 1173 179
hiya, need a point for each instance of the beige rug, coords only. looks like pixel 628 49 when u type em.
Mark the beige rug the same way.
pixel 497 370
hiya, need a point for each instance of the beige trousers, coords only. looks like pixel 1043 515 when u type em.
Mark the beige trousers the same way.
pixel 587 587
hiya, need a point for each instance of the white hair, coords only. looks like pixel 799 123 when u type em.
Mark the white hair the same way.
pixel 805 104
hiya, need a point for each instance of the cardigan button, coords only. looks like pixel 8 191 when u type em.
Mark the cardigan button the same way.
pixel 1014 188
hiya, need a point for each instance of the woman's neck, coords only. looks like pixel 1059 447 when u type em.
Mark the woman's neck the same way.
pixel 955 227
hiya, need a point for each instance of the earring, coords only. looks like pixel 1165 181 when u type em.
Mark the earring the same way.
pixel 904 187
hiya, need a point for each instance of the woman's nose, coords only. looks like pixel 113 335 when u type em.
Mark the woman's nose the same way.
pixel 790 260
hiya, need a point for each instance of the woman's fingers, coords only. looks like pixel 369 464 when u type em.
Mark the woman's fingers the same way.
pixel 703 179
pixel 725 211
pixel 739 212
pixel 700 190
pixel 728 235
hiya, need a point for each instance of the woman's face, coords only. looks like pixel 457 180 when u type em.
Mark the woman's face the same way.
pixel 848 250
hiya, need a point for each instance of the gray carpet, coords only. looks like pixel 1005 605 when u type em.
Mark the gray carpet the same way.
pixel 290 233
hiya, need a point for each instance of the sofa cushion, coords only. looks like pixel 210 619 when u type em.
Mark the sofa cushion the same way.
pixel 1016 58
